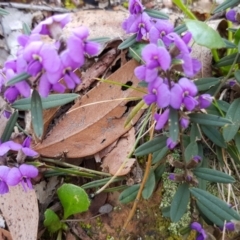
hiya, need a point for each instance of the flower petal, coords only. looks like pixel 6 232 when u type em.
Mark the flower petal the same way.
pixel 28 171
pixel 14 176
pixel 161 119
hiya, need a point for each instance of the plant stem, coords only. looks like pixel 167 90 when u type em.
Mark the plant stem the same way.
pixel 184 9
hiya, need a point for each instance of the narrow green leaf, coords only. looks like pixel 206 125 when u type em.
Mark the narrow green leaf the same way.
pixel 26 29
pixel 100 182
pixel 128 42
pixel 37 114
pixel 237 75
pixel 159 172
pixel 100 39
pixel 180 29
pixel 135 51
pixel 214 206
pixel 194 133
pixel 159 155
pixel 223 105
pixel 53 100
pixel 180 202
pixel 214 135
pixel 156 14
pixel 225 5
pixel 227 60
pixel 234 153
pixel 9 127
pixel 233 114
pixel 129 194
pixel 191 151
pixel 229 44
pixel 206 83
pixel 173 125
pixel 18 78
pixel 219 154
pixel 52 221
pixel 73 199
pixel 204 35
pixel 166 211
pixel 209 119
pixel 149 186
pixel 3 12
pixel 212 175
pixel 151 146
pixel 237 141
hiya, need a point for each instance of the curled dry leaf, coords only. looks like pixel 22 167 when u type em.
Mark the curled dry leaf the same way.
pixel 20 210
pixel 113 161
pixel 97 120
pixel 5 235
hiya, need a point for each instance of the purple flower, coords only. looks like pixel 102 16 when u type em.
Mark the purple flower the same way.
pixel 201 232
pixel 22 174
pixel 161 119
pixel 178 41
pixel 170 143
pixel 4 170
pixel 184 121
pixel 231 15
pixel 163 95
pixel 146 74
pixel 204 101
pixel 197 158
pixel 155 56
pixel 230 226
pixel 26 148
pixel 135 6
pixel 9 145
pixel 159 31
pixel 43 27
pixel 171 176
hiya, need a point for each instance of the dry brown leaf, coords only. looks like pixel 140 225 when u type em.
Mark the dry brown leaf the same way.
pixel 5 235
pixel 85 130
pixel 113 161
pixel 20 210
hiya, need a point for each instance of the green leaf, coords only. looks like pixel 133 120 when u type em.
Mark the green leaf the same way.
pixel 73 199
pixel 159 155
pixel 135 51
pixel 212 175
pixel 229 44
pixel 18 78
pixel 53 100
pixel 191 151
pixel 227 60
pixel 100 39
pixel 237 75
pixel 237 141
pixel 129 194
pixel 26 29
pixel 128 42
pixel 3 12
pixel 225 5
pixel 9 127
pixel 180 202
pixel 173 125
pixel 156 14
pixel 52 221
pixel 166 211
pixel 204 35
pixel 219 154
pixel 223 105
pixel 149 185
pixel 209 119
pixel 180 29
pixel 214 135
pixel 214 208
pixel 159 172
pixel 233 114
pixel 206 83
pixel 100 182
pixel 234 153
pixel 194 133
pixel 151 146
pixel 37 114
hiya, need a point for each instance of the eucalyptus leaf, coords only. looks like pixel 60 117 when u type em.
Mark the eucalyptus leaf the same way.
pixel 191 151
pixel 128 42
pixel 149 186
pixel 213 175
pixel 156 14
pixel 37 114
pixel 209 119
pixel 214 207
pixel 180 202
pixel 204 84
pixel 73 199
pixel 214 135
pixel 9 127
pixel 233 114
pixel 204 35
pixel 52 221
pixel 18 78
pixel 173 125
pixel 151 146
pixel 129 194
pixel 53 100
pixel 225 5
pixel 227 60
pixel 159 155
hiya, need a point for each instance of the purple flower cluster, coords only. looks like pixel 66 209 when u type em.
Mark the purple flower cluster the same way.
pixel 166 53
pixel 23 174
pixel 47 61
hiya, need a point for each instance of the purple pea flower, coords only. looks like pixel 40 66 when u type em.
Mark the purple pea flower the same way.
pixel 9 145
pixel 230 226
pixel 146 74
pixel 22 174
pixel 178 41
pixel 197 159
pixel 171 144
pixel 201 232
pixel 57 20
pixel 161 119
pixel 4 170
pixel 160 30
pixel 172 176
pixel 26 148
pixel 135 6
pixel 204 101
pixel 231 15
pixel 184 121
pixel 155 56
